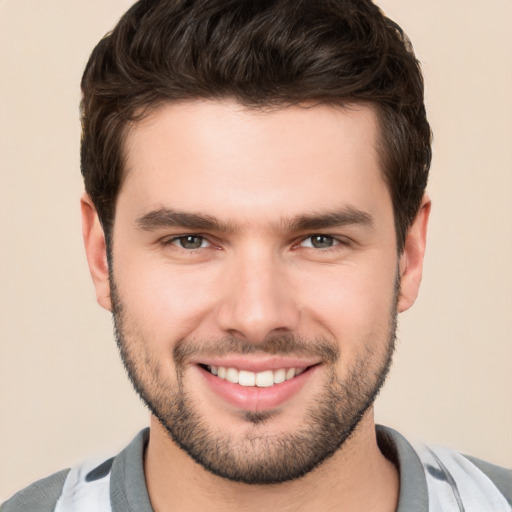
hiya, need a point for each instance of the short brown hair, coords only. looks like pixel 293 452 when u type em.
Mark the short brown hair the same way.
pixel 263 53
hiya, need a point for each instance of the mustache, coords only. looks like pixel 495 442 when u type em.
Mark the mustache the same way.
pixel 286 344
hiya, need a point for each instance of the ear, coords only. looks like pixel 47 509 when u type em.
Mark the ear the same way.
pixel 411 259
pixel 96 251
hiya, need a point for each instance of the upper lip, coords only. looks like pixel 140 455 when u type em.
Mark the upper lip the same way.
pixel 257 363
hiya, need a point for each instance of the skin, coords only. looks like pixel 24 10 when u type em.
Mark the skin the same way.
pixel 257 172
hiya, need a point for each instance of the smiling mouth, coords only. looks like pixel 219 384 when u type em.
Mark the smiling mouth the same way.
pixel 262 379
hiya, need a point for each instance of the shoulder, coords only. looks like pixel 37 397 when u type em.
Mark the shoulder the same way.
pixel 432 478
pixel 501 477
pixel 96 484
pixel 40 496
pixel 451 475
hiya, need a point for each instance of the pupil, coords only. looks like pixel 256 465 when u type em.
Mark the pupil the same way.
pixel 321 241
pixel 191 242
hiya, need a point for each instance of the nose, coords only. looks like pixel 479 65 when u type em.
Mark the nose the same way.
pixel 258 298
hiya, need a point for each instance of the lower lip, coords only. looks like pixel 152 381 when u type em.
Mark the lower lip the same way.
pixel 252 398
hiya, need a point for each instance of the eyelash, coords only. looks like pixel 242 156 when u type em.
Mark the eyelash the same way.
pixel 173 241
pixel 336 241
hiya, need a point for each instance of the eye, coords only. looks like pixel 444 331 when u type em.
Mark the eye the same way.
pixel 190 242
pixel 320 241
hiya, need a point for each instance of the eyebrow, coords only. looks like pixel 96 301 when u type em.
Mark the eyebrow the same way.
pixel 344 217
pixel 166 217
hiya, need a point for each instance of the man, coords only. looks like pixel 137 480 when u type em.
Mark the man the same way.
pixel 255 217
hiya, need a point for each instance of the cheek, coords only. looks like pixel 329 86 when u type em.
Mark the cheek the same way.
pixel 163 302
pixel 352 303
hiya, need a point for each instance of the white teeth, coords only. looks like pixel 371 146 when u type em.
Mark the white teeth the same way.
pixel 246 378
pixel 263 379
pixel 232 375
pixel 279 376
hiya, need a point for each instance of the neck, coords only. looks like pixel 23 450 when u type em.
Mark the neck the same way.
pixel 356 477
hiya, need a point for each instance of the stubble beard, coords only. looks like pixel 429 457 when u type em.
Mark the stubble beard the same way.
pixel 258 458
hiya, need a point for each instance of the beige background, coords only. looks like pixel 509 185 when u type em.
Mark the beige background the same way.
pixel 63 393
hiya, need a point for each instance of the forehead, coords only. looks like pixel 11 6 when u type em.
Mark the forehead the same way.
pixel 216 156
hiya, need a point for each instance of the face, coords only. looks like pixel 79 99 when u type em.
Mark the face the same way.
pixel 254 280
